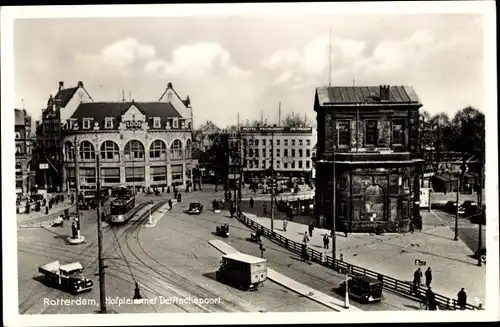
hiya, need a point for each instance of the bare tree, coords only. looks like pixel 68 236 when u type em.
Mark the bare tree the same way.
pixel 296 120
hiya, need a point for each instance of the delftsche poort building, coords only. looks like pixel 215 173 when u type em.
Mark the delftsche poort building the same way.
pixel 368 146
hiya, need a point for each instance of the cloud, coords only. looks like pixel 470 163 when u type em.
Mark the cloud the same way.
pixel 126 52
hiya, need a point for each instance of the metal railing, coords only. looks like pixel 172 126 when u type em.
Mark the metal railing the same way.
pixel 389 283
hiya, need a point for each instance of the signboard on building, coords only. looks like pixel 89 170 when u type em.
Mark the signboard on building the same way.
pixel 234 176
pixel 44 166
pixel 133 124
pixel 269 129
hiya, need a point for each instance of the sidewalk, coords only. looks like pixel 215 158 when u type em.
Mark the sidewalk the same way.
pixel 304 290
pixel 442 198
pixel 40 215
pixel 394 255
pixel 288 196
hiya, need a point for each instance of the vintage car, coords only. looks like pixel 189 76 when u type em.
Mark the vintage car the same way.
pixel 222 230
pixel 481 254
pixel 242 270
pixel 451 207
pixel 363 289
pixel 68 277
pixel 195 208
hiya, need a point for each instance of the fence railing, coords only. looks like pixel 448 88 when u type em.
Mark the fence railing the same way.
pixel 389 283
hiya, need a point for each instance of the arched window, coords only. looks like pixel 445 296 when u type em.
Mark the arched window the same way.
pixel 374 202
pixel 176 149
pixel 110 151
pixel 158 150
pixel 134 151
pixel 69 151
pixel 188 149
pixel 87 151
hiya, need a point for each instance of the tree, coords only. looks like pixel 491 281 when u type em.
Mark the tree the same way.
pixel 439 137
pixel 295 120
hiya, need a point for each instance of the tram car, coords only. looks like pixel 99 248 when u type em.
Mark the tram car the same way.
pixel 121 209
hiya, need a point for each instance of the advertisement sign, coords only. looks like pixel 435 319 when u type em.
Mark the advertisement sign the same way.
pixel 44 166
pixel 133 124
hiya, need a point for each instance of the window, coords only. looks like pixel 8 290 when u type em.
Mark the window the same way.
pixel 110 175
pixel 264 164
pixel 293 152
pixel 188 150
pixel 277 152
pixel 308 153
pixel 108 123
pixel 175 123
pixel 300 153
pixel 308 164
pixel 264 153
pixel 177 173
pixel 293 142
pixel 256 153
pixel 285 165
pixel 301 142
pixel 278 142
pixel 134 174
pixel 110 151
pixel 156 122
pixel 87 175
pixel 87 151
pixel 256 142
pixel 371 132
pixel 251 164
pixel 398 131
pixel 343 133
pixel 176 149
pixel 159 173
pixel 293 164
pixel 134 151
pixel 86 123
pixel 264 142
pixel 278 164
pixel 158 150
pixel 250 152
pixel 300 164
pixel 285 152
pixel 308 142
pixel 286 142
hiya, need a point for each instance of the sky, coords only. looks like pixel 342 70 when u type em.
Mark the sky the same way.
pixel 249 64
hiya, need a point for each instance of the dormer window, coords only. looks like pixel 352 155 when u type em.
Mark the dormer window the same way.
pixel 156 122
pixel 175 123
pixel 108 122
pixel 86 123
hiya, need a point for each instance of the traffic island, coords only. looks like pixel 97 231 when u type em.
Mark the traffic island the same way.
pixel 75 241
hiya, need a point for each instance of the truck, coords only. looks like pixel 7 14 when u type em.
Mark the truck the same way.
pixel 68 277
pixel 242 270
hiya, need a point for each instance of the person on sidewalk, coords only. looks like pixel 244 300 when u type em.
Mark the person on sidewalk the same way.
pixel 305 254
pixel 462 299
pixel 326 241
pixel 285 223
pixel 232 210
pixel 251 202
pixel 428 277
pixel 306 238
pixel 345 228
pixel 417 279
pixel 170 203
pixel 73 230
pixel 311 228
pixel 431 300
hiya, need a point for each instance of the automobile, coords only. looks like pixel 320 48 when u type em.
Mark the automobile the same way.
pixel 481 253
pixel 470 207
pixel 195 208
pixel 69 277
pixel 242 270
pixel 363 289
pixel 451 207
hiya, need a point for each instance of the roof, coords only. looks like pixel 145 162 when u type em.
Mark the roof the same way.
pixel 71 266
pixel 19 117
pixel 100 110
pixel 65 95
pixel 238 256
pixel 367 279
pixel 337 95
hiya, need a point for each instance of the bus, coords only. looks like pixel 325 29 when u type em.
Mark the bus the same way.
pixel 121 209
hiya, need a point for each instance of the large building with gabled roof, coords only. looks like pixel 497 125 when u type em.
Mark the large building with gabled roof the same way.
pixel 368 162
pixel 140 144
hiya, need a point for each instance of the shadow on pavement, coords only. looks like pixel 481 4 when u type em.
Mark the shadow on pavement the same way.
pixel 40 279
pixel 210 275
pixel 411 306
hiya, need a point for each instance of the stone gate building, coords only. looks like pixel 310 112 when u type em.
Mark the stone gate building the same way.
pixel 368 136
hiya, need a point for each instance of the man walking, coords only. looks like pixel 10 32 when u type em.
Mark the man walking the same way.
pixel 311 228
pixel 428 277
pixel 462 299
pixel 326 241
pixel 285 223
pixel 251 202
pixel 73 230
pixel 417 279
pixel 306 238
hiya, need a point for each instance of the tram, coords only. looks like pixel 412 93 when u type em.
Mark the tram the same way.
pixel 121 209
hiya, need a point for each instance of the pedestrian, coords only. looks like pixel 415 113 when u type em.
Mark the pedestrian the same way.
pixel 341 257
pixel 417 278
pixel 431 299
pixel 264 206
pixel 412 226
pixel 285 223
pixel 251 202
pixel 170 203
pixel 179 198
pixel 73 230
pixel 232 210
pixel 462 299
pixel 305 254
pixel 306 238
pixel 311 228
pixel 326 241
pixel 428 277
pixel 214 205
pixel 345 229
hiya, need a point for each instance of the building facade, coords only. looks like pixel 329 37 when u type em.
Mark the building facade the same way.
pixel 24 173
pixel 203 136
pixel 48 153
pixel 368 149
pixel 140 144
pixel 293 152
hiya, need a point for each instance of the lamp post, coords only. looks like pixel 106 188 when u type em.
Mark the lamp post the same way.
pixel 77 178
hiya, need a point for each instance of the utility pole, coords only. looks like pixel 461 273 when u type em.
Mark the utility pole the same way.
pixel 272 181
pixel 102 287
pixel 456 213
pixel 77 178
pixel 334 240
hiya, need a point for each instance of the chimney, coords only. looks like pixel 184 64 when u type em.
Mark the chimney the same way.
pixel 80 84
pixel 384 92
pixel 61 85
